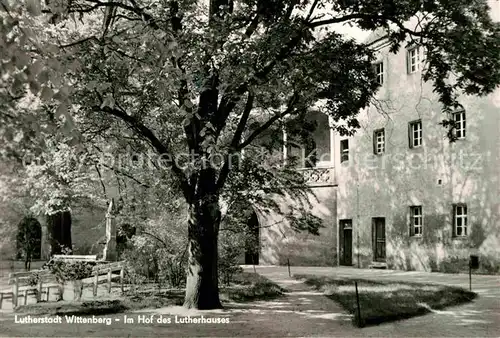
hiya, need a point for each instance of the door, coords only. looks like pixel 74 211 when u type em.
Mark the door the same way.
pixel 345 242
pixel 252 241
pixel 378 235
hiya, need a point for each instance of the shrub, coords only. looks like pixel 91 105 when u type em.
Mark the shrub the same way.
pixel 231 247
pixel 70 271
pixel 156 250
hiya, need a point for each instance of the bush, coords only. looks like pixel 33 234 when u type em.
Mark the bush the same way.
pixel 70 272
pixel 158 255
pixel 231 247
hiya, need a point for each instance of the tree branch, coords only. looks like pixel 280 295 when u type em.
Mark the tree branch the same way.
pixel 100 179
pixel 224 172
pixel 311 10
pixel 273 119
pixel 350 17
pixel 144 131
pixel 118 4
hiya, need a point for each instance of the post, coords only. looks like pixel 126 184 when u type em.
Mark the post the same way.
pixel 357 304
pixel 109 253
pixel 288 263
pixel 122 272
pixel 25 296
pixel 48 293
pixel 1 299
pixel 39 294
pixel 15 291
pixel 96 280
pixel 470 277
pixel 109 280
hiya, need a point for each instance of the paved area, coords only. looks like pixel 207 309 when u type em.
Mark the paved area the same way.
pixel 303 312
pixel 480 318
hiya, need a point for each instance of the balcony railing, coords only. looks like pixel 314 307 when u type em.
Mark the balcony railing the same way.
pixel 319 177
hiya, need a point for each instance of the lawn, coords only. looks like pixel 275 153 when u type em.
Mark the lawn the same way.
pixel 387 301
pixel 244 288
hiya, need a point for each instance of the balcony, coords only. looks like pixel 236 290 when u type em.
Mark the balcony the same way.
pixel 319 177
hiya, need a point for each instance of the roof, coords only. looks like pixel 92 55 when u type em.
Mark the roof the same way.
pixel 376 35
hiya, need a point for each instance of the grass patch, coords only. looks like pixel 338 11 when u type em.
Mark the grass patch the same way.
pixel 382 301
pixel 246 287
pixel 249 287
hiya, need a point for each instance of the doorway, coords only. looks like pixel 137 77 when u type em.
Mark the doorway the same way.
pixel 252 240
pixel 345 241
pixel 378 239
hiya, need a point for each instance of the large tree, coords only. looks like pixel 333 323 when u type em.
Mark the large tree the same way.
pixel 208 78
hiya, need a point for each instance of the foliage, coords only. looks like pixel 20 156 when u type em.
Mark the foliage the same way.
pixel 65 271
pixel 158 249
pixel 34 279
pixel 231 248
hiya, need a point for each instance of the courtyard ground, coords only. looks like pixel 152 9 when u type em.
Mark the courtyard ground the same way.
pixel 303 311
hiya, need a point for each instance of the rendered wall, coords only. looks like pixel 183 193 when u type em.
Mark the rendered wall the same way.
pixel 436 176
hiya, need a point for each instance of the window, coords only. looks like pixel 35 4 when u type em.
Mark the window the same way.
pixel 413 60
pixel 460 220
pixel 459 118
pixel 379 141
pixel 344 151
pixel 379 71
pixel 415 133
pixel 416 221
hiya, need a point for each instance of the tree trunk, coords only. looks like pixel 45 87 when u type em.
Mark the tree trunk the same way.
pixel 202 285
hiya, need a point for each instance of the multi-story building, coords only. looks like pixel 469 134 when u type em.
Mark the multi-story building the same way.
pixel 399 194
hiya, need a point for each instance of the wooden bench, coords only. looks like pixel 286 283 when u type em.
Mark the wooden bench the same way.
pixel 75 258
pixel 108 269
pixel 20 282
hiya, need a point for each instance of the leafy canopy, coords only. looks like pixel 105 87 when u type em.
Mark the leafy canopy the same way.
pixel 208 78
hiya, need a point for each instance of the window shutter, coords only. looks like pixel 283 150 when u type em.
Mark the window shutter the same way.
pixel 409 136
pixel 374 239
pixel 453 220
pixel 410 228
pixel 375 142
pixel 408 69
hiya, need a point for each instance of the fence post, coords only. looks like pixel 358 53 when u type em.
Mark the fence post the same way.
pixel 288 263
pixel 109 280
pixel 96 280
pixel 470 277
pixel 1 299
pixel 39 293
pixel 360 322
pixel 25 296
pixel 15 291
pixel 122 273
